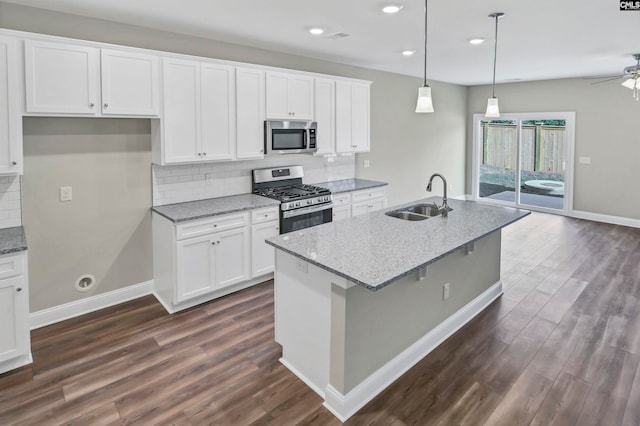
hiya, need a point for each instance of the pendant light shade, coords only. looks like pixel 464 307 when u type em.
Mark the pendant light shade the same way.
pixel 493 110
pixel 425 103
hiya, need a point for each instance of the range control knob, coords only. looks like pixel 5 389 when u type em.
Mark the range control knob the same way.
pixel 297 203
pixel 309 201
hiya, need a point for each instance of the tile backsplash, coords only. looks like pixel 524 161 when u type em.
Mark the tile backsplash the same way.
pixel 10 202
pixel 189 182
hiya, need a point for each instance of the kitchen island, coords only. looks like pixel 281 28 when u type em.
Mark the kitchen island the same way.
pixel 360 301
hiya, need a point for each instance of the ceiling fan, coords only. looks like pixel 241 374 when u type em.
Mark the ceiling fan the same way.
pixel 633 80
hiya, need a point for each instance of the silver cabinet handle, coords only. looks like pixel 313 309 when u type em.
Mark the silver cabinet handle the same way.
pixel 204 153
pixel 19 289
pixel 13 163
pixel 91 105
pixel 106 105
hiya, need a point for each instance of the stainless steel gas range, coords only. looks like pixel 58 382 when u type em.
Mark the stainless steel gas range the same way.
pixel 301 205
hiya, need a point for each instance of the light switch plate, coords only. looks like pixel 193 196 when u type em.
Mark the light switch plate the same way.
pixel 66 193
pixel 584 160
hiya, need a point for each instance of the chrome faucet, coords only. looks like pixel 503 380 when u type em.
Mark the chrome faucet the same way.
pixel 445 207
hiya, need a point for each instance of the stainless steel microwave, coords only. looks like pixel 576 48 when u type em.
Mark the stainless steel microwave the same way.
pixel 290 137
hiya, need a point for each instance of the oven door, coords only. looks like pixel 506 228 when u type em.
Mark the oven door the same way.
pixel 292 220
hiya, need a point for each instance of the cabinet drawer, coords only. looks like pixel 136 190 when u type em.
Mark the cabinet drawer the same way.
pixel 206 226
pixel 264 215
pixel 11 265
pixel 368 194
pixel 341 199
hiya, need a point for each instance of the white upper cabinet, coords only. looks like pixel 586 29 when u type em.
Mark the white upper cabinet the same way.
pixel 129 83
pixel 181 111
pixel 61 78
pixel 325 107
pixel 352 116
pixel 289 96
pixel 249 113
pixel 65 78
pixel 198 117
pixel 10 101
pixel 217 86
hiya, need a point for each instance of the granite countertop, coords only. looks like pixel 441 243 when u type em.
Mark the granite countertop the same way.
pixel 12 240
pixel 375 250
pixel 191 210
pixel 348 185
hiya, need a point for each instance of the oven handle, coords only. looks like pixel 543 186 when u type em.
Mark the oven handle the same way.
pixel 306 210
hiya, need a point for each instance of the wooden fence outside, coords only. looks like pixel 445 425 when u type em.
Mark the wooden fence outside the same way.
pixel 542 147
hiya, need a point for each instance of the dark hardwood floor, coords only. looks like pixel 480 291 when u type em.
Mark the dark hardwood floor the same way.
pixel 561 347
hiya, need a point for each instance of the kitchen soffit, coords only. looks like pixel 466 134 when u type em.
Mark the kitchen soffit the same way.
pixel 544 39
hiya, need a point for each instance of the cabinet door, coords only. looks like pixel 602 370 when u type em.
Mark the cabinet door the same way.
pixel 181 114
pixel 300 97
pixel 289 96
pixel 325 115
pixel 10 117
pixel 195 274
pixel 262 254
pixel 276 96
pixel 344 108
pixel 129 83
pixel 358 209
pixel 14 315
pixel 341 212
pixel 249 113
pixel 217 111
pixel 61 78
pixel 352 117
pixel 360 117
pixel 231 259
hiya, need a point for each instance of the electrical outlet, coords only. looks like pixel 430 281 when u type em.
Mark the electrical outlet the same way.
pixel 584 160
pixel 366 164
pixel 66 193
pixel 445 291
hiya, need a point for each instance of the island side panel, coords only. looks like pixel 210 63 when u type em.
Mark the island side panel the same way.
pixel 303 319
pixel 380 325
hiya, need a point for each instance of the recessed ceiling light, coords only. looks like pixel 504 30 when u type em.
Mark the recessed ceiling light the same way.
pixel 477 40
pixel 392 8
pixel 408 52
pixel 316 31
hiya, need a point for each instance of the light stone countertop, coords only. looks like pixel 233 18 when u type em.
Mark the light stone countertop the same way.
pixel 348 185
pixel 192 210
pixel 12 240
pixel 374 250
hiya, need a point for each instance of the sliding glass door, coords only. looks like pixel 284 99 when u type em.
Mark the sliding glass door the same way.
pixel 524 160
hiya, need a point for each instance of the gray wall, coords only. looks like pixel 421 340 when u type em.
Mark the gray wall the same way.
pixel 106 229
pixel 607 130
pixel 405 147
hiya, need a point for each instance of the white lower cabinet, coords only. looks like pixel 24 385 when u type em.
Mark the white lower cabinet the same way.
pixel 367 201
pixel 200 260
pixel 15 342
pixel 355 203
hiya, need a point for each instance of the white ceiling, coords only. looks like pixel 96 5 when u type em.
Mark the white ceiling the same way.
pixel 540 39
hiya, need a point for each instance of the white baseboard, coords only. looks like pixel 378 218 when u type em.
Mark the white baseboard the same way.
pixel 90 304
pixel 302 377
pixel 344 406
pixel 615 220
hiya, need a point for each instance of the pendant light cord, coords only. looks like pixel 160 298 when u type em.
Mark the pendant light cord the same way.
pixel 425 43
pixel 495 58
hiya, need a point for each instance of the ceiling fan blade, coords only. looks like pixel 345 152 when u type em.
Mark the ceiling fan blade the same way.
pixel 608 79
pixel 596 77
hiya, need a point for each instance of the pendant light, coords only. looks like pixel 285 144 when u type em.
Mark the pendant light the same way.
pixel 424 103
pixel 492 103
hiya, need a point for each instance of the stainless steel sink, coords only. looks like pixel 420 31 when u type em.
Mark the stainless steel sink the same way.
pixel 426 209
pixel 406 215
pixel 417 212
